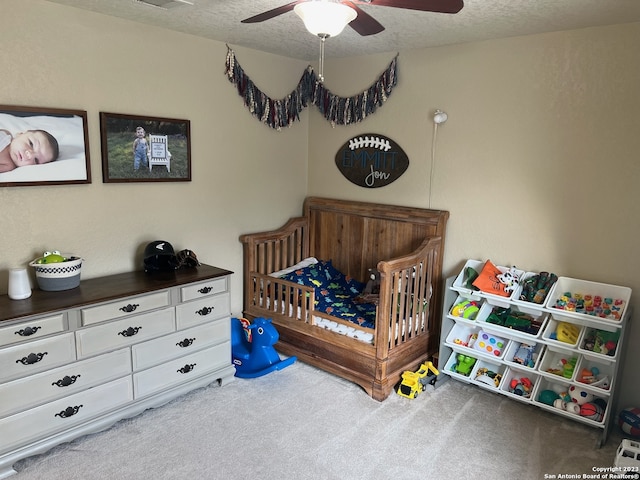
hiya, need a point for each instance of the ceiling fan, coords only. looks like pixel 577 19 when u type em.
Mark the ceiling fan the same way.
pixel 365 24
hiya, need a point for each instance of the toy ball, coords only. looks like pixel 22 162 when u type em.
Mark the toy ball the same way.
pixel 592 411
pixel 579 395
pixel 548 397
pixel 629 421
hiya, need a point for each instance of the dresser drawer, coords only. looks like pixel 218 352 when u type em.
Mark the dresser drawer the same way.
pixel 125 307
pixel 43 387
pixel 21 428
pixel 181 370
pixel 198 290
pixel 32 357
pixel 203 310
pixel 113 335
pixel 30 329
pixel 161 349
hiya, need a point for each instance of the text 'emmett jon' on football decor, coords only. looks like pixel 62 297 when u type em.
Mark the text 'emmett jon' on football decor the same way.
pixel 371 160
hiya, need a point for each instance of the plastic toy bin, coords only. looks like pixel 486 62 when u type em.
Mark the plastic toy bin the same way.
pixel 563 334
pixel 519 384
pixel 460 365
pixel 487 374
pixel 547 390
pixel 524 355
pixel 595 375
pixel 465 309
pixel 600 343
pixel 558 362
pixel 538 323
pixel 591 300
pixel 460 334
pixel 524 305
pixel 460 281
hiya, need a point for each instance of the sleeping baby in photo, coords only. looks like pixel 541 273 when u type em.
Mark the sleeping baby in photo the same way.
pixel 32 147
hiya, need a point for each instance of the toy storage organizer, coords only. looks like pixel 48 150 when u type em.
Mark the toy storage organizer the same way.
pixel 560 352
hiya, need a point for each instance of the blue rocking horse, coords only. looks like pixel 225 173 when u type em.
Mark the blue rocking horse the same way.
pixel 252 348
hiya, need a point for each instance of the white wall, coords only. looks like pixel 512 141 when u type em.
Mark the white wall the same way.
pixel 537 164
pixel 64 57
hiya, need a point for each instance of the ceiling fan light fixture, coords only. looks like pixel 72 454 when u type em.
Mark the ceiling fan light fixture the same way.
pixel 325 18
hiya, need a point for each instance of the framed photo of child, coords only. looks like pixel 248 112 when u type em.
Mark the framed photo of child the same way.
pixel 43 146
pixel 144 149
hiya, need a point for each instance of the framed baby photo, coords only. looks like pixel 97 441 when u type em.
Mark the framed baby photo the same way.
pixel 43 146
pixel 144 149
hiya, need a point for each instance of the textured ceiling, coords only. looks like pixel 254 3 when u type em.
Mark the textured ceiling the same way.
pixel 405 29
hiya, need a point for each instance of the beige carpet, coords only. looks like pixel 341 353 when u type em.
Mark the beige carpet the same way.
pixel 302 423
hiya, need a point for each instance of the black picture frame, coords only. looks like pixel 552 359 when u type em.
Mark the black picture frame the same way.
pixel 68 141
pixel 167 138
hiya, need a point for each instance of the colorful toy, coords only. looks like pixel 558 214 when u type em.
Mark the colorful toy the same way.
pixel 510 279
pixel 629 421
pixel 522 387
pixel 464 364
pixel 548 397
pixel 466 309
pixel 489 343
pixel 565 367
pixel 567 406
pixel 536 288
pixel 51 257
pixel 593 305
pixel 415 382
pixel 485 375
pixel 592 376
pixel 566 333
pixel 579 396
pixel 524 355
pixel 592 411
pixel 600 341
pixel 253 355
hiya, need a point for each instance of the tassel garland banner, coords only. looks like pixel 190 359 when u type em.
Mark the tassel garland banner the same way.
pixel 337 110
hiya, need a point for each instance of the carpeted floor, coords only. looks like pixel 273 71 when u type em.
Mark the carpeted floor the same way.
pixel 302 423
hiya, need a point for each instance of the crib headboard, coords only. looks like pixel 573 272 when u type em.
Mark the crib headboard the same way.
pixel 357 235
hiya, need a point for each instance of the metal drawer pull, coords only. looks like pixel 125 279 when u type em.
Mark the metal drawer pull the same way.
pixel 66 380
pixel 205 311
pixel 186 342
pixel 130 307
pixel 31 358
pixel 69 411
pixel 130 332
pixel 186 368
pixel 205 290
pixel 26 332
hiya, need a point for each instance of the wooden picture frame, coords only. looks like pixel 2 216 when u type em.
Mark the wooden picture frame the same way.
pixel 161 154
pixel 43 146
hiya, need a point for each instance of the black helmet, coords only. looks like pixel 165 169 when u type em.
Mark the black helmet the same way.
pixel 159 256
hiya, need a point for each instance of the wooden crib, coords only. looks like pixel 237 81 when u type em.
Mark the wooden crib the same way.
pixel 406 246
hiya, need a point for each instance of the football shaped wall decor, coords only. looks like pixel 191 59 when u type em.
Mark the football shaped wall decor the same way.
pixel 371 160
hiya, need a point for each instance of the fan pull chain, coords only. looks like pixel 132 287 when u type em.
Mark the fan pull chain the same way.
pixel 323 38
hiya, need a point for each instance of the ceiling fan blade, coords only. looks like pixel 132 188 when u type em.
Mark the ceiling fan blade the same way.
pixel 269 14
pixel 439 6
pixel 364 23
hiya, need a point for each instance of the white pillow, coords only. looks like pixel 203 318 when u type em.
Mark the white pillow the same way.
pixel 304 263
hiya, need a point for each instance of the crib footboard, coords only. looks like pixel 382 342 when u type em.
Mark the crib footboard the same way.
pixel 408 320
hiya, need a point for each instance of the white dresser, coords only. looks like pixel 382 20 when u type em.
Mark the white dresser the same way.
pixel 77 361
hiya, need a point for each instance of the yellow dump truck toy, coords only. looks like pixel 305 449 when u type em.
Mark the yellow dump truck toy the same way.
pixel 415 382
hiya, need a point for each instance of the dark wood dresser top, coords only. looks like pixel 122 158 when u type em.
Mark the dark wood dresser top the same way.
pixel 102 289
